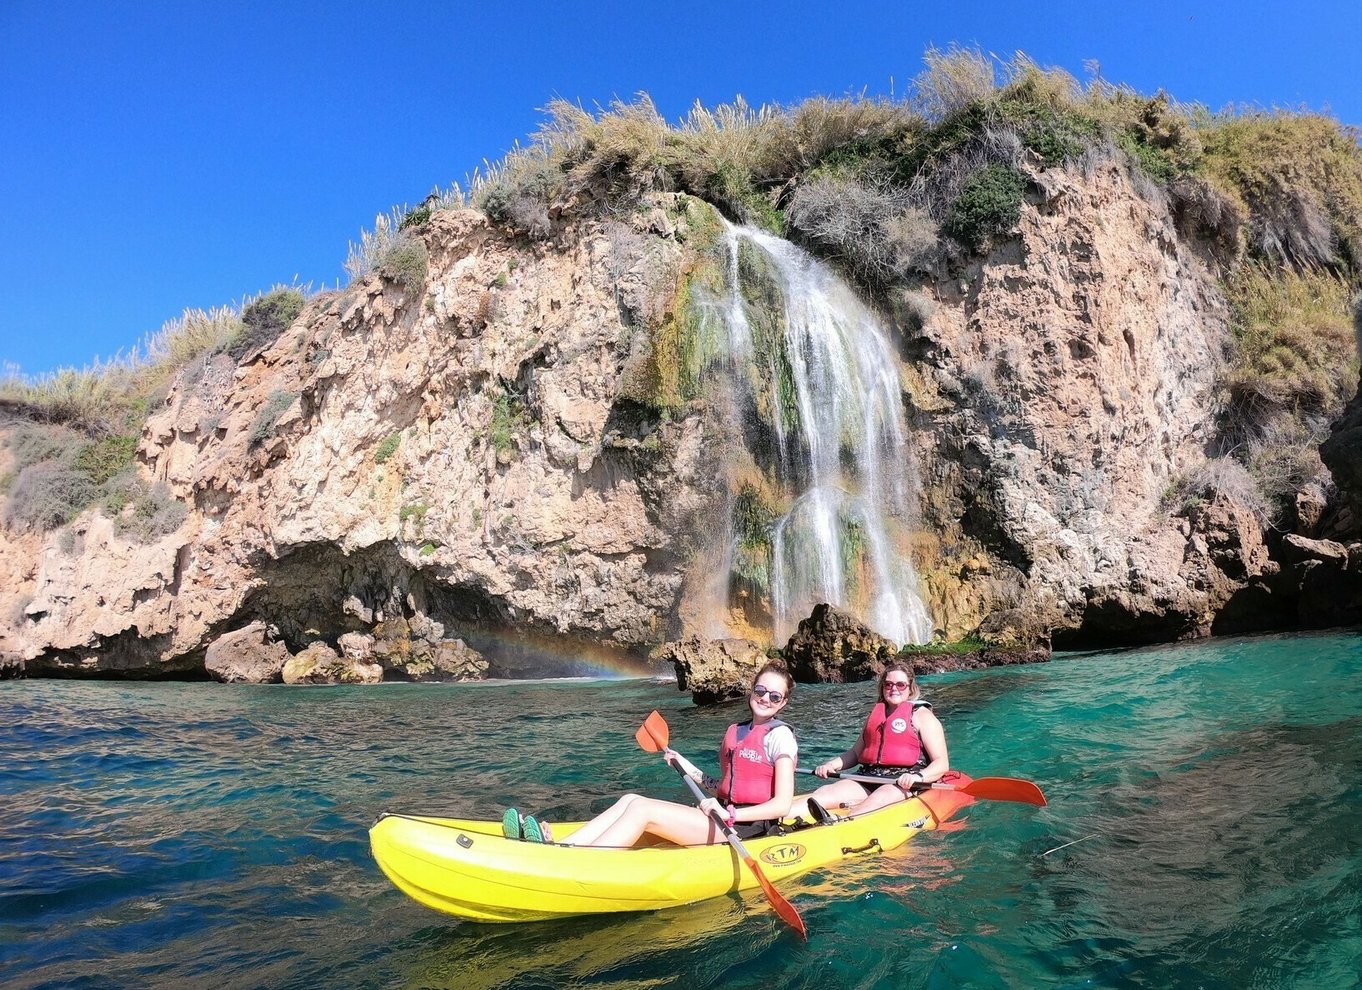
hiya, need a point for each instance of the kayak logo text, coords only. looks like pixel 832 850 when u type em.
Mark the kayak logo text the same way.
pixel 784 855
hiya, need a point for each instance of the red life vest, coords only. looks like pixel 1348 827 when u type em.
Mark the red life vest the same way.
pixel 890 739
pixel 746 775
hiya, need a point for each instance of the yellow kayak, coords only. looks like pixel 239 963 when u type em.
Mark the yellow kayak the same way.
pixel 470 870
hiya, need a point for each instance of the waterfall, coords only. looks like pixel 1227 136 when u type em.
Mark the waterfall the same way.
pixel 821 382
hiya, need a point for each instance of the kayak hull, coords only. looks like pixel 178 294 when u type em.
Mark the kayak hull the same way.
pixel 468 869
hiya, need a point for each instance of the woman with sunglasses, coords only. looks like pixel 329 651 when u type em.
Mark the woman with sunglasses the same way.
pixel 902 741
pixel 753 791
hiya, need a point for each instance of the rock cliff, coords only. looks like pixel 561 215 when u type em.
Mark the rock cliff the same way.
pixel 477 450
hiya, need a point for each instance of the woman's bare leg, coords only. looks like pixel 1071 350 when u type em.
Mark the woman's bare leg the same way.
pixel 880 797
pixel 679 823
pixel 592 830
pixel 830 796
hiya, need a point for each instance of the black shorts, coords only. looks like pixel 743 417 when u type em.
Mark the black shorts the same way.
pixel 890 775
pixel 753 830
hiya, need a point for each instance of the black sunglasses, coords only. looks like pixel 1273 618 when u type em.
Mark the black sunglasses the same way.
pixel 762 691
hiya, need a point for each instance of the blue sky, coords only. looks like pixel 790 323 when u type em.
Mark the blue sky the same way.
pixel 162 155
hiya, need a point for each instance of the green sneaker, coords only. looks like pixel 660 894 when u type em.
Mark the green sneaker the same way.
pixel 531 830
pixel 510 824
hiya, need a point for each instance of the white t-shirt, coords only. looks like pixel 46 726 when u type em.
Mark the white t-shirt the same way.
pixel 780 741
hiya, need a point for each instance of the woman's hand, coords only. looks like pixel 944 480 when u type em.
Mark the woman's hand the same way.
pixel 908 781
pixel 712 807
pixel 828 768
pixel 683 764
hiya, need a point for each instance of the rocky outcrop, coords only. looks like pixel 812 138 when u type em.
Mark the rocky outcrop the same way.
pixel 320 664
pixel 713 671
pixel 1329 575
pixel 415 652
pixel 832 646
pixel 246 656
pixel 466 453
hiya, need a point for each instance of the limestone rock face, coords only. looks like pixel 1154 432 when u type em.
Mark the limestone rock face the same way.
pixel 483 457
pixel 714 670
pixel 466 454
pixel 246 656
pixel 1068 380
pixel 833 646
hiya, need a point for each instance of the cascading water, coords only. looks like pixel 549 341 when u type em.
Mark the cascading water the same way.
pixel 826 421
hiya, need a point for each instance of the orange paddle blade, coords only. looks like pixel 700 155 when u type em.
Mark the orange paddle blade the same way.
pixel 783 907
pixel 654 733
pixel 1005 789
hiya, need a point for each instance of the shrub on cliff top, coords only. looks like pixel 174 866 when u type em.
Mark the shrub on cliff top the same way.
pixel 264 319
pixel 988 207
pixel 1298 177
pixel 871 224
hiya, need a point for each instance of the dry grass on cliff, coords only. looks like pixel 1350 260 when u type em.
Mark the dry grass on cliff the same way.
pixel 1298 176
pixel 1294 338
pixel 1293 179
pixel 111 398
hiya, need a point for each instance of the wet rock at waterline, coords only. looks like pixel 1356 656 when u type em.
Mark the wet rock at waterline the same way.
pixel 713 670
pixel 320 664
pixel 246 656
pixel 833 646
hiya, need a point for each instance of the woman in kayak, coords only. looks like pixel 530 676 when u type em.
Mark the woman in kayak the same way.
pixel 754 790
pixel 902 741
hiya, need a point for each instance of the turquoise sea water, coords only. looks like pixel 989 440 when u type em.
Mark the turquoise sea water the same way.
pixel 1208 799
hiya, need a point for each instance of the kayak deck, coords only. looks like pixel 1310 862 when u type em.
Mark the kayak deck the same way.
pixel 468 869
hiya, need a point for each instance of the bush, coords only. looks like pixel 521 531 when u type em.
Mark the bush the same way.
pixel 988 207
pixel 1285 460
pixel 264 319
pixel 506 418
pixel 47 495
pixel 101 398
pixel 1298 177
pixel 32 443
pixel 407 264
pixel 263 425
pixel 953 81
pixel 141 512
pixel 868 223
pixel 387 448
pixel 1295 344
pixel 104 458
pixel 418 217
pixel 1200 484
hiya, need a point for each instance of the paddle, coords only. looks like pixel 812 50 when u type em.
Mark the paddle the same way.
pixel 653 735
pixel 988 788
